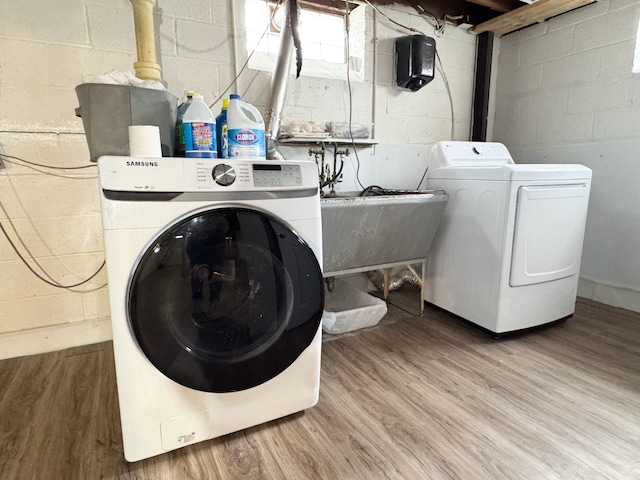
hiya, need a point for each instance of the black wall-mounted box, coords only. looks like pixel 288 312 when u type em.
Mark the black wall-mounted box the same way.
pixel 415 57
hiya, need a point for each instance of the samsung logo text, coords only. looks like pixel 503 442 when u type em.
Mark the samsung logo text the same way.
pixel 142 164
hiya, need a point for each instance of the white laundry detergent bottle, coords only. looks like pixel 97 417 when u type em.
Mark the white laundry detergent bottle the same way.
pixel 199 127
pixel 245 129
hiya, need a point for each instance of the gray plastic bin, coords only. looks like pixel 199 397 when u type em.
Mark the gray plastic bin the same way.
pixel 108 110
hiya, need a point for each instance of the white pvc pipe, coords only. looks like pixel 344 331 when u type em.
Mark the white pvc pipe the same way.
pixel 146 67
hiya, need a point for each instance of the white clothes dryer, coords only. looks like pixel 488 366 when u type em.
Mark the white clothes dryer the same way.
pixel 216 294
pixel 507 253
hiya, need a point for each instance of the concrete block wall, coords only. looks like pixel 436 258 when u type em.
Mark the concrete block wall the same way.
pixel 566 94
pixel 47 47
pixel 406 124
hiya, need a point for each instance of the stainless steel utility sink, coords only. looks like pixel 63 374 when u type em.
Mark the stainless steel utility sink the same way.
pixel 367 233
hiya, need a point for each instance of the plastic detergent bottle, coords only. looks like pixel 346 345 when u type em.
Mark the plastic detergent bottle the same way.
pixel 245 129
pixel 179 130
pixel 199 126
pixel 221 131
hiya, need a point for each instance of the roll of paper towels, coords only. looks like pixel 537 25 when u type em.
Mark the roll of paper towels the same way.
pixel 144 141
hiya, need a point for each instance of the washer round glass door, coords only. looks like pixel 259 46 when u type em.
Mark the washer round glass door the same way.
pixel 226 299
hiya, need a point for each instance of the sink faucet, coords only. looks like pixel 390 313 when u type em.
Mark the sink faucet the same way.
pixel 325 175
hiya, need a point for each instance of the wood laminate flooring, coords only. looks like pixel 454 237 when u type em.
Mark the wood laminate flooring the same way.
pixel 411 398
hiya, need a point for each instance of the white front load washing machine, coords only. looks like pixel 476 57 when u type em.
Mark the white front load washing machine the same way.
pixel 216 294
pixel 507 253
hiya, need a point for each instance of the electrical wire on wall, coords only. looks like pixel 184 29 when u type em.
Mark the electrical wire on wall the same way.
pixel 438 24
pixel 53 283
pixel 439 65
pixel 44 276
pixel 246 63
pixel 66 172
pixel 353 143
pixel 11 159
pixel 439 30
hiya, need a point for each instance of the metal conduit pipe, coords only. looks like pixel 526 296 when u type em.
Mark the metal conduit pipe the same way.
pixel 279 81
pixel 374 89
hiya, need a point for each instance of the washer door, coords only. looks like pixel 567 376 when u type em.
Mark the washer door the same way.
pixel 226 299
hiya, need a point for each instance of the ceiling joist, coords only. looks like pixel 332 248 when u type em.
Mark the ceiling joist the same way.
pixel 498 5
pixel 497 16
pixel 528 15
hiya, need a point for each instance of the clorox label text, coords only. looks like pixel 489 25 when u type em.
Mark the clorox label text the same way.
pixel 245 137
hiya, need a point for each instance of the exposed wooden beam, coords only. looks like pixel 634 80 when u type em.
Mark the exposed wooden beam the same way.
pixel 327 6
pixel 528 15
pixel 470 12
pixel 480 114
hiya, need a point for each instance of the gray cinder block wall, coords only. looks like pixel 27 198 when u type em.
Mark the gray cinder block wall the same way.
pixel 47 47
pixel 566 93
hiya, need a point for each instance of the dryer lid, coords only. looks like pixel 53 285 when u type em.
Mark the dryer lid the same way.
pixel 492 161
pixel 507 173
pixel 468 154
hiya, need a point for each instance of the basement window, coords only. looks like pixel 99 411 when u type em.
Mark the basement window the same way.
pixel 322 34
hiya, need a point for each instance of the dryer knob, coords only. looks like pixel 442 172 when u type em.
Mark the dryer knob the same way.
pixel 224 174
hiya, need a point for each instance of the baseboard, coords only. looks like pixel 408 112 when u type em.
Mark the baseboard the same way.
pixel 50 339
pixel 613 295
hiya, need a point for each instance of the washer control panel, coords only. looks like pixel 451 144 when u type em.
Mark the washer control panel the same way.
pixel 276 175
pixel 166 174
pixel 224 174
pixel 242 175
pixel 206 175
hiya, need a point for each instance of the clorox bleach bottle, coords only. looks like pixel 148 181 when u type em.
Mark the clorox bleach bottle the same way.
pixel 199 127
pixel 245 129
